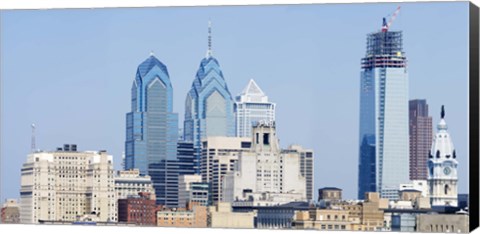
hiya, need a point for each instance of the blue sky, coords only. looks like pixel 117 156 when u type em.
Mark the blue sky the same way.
pixel 70 73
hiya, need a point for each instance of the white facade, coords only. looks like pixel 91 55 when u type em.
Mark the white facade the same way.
pixel 442 168
pixel 219 156
pixel 265 168
pixel 420 185
pixel 192 189
pixel 62 185
pixel 252 106
pixel 130 183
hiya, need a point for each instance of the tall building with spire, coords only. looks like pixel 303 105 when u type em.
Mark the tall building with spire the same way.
pixel 152 127
pixel 384 137
pixel 420 128
pixel 251 107
pixel 209 104
pixel 442 167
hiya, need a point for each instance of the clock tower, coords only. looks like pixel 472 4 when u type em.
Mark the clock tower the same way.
pixel 442 167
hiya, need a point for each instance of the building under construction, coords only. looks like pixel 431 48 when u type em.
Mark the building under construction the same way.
pixel 384 137
pixel 384 49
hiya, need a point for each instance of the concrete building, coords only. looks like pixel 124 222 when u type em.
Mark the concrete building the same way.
pixel 61 185
pixel 191 216
pixel 280 216
pixel 419 185
pixel 222 216
pixel 323 219
pixel 191 190
pixel 330 194
pixel 421 135
pixel 384 137
pixel 251 107
pixel 10 212
pixel 140 210
pixel 442 167
pixel 337 214
pixel 265 168
pixel 267 199
pixel 130 183
pixel 454 223
pixel 219 156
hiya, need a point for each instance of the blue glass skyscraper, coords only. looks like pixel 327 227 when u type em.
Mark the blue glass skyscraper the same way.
pixel 209 104
pixel 152 127
pixel 384 138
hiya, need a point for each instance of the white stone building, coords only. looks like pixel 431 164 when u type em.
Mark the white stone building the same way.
pixel 65 184
pixel 442 168
pixel 265 168
pixel 130 183
pixel 219 156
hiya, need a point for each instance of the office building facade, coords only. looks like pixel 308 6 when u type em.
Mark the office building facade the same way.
pixel 420 128
pixel 209 104
pixel 251 107
pixel 384 137
pixel 152 127
pixel 65 184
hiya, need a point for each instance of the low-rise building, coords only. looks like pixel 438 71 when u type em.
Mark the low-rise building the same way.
pixel 130 183
pixel 10 212
pixel 279 216
pixel 323 219
pixel 454 223
pixel 222 216
pixel 191 216
pixel 140 210
pixel 191 190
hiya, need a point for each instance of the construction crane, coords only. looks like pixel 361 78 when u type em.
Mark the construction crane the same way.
pixel 385 25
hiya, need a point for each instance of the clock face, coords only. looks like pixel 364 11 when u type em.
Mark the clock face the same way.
pixel 447 170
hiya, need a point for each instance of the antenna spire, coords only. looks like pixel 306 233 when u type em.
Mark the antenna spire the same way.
pixel 33 147
pixel 209 51
pixel 442 114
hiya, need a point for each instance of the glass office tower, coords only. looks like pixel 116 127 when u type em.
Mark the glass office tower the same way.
pixel 251 107
pixel 209 104
pixel 152 127
pixel 383 116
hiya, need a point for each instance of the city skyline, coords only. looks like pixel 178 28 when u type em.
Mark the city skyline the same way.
pixel 290 131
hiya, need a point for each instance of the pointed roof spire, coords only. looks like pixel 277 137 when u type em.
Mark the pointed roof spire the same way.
pixel 151 53
pixel 442 114
pixel 209 51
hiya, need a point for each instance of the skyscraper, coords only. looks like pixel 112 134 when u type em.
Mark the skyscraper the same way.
pixel 209 104
pixel 252 106
pixel 420 128
pixel 152 127
pixel 384 115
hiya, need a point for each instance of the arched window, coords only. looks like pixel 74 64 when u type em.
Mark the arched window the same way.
pixel 446 189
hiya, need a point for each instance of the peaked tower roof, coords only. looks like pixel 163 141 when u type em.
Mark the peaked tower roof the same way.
pixel 252 89
pixel 442 147
pixel 148 64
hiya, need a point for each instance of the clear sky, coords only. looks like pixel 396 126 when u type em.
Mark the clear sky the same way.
pixel 70 73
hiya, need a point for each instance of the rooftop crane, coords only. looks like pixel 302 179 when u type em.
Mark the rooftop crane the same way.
pixel 385 25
